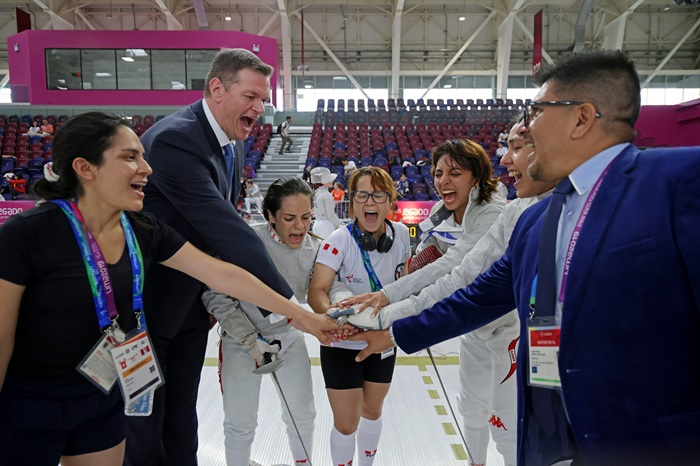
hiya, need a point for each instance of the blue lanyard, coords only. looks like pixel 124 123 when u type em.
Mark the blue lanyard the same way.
pixel 374 283
pixel 105 307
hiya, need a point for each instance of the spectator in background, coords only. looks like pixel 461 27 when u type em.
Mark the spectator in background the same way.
pixel 17 184
pixel 253 196
pixel 35 129
pixel 46 128
pixel 306 176
pixel 286 139
pixel 502 149
pixel 348 169
pixel 503 138
pixel 403 186
pixel 338 192
pixel 324 206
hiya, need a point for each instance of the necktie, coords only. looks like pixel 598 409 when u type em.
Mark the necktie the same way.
pixel 228 155
pixel 546 263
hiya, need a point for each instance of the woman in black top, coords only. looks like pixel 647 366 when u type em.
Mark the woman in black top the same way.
pixel 52 294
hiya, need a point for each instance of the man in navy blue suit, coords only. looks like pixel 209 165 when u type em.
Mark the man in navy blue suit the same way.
pixel 197 159
pixel 610 378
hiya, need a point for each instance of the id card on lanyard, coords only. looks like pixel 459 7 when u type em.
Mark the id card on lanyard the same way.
pixel 99 364
pixel 544 331
pixel 374 283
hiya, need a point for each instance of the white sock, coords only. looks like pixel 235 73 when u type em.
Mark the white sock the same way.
pixel 342 448
pixel 478 442
pixel 368 433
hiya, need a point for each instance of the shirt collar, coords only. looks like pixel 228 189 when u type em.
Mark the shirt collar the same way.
pixel 586 174
pixel 273 233
pixel 218 132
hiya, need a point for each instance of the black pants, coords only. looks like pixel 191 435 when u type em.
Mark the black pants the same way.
pixel 169 435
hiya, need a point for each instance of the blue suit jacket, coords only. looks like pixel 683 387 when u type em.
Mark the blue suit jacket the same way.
pixel 188 190
pixel 631 320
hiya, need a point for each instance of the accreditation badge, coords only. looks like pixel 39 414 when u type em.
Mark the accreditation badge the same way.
pixel 98 366
pixel 543 356
pixel 138 370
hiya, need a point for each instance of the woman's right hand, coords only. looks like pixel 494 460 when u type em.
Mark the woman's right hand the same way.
pixel 376 300
pixel 319 325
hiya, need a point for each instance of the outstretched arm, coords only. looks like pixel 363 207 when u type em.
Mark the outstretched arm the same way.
pixel 235 281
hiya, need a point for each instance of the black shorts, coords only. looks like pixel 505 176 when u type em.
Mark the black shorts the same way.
pixel 341 372
pixel 39 423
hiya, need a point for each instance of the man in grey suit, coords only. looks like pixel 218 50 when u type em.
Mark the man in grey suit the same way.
pixel 197 159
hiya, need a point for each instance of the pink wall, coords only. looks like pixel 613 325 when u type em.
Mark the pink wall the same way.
pixel 28 64
pixel 671 125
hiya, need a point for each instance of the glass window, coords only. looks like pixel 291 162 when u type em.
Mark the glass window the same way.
pixel 198 62
pixel 324 82
pixel 63 69
pixel 168 68
pixel 482 82
pixel 133 69
pixel 466 82
pixel 516 82
pixel 99 69
pixel 363 81
pixel 341 82
pixel 379 82
pixel 411 82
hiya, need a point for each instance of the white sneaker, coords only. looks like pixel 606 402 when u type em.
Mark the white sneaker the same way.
pixel 254 463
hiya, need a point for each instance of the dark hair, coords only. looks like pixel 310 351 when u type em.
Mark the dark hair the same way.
pixel 380 179
pixel 606 78
pixel 281 188
pixel 287 117
pixel 472 157
pixel 87 135
pixel 228 62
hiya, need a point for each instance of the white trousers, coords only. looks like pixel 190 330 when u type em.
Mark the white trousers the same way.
pixel 323 228
pixel 257 200
pixel 486 400
pixel 241 393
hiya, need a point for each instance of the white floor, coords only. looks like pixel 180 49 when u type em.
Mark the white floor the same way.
pixel 418 426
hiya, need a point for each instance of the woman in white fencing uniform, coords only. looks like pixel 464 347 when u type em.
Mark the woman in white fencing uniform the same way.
pixel 247 336
pixel 469 207
pixel 367 253
pixel 324 205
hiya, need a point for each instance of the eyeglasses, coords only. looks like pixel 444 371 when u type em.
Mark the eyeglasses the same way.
pixel 532 107
pixel 361 197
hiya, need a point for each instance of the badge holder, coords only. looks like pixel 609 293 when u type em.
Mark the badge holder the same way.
pixel 139 373
pixel 543 352
pixel 98 366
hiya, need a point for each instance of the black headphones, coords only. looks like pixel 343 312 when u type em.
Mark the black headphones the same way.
pixel 368 243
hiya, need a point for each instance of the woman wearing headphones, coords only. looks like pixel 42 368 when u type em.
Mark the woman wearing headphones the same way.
pixel 365 255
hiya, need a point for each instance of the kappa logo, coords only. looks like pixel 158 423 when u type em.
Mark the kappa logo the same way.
pixel 370 454
pixel 327 246
pixel 496 422
pixel 513 359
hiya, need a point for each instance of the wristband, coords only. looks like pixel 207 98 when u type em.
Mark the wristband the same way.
pixel 391 335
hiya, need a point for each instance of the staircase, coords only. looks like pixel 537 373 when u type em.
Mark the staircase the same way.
pixel 275 166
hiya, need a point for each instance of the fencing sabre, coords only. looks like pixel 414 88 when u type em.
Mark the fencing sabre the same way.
pixel 270 367
pixel 447 398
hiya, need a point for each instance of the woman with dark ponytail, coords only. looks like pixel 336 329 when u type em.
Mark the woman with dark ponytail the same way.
pixel 71 281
